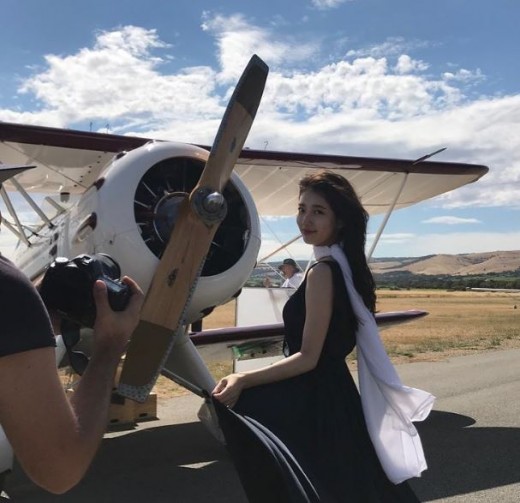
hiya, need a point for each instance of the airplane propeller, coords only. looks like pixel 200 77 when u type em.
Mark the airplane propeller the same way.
pixel 199 216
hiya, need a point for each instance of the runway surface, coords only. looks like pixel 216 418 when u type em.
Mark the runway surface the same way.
pixel 471 440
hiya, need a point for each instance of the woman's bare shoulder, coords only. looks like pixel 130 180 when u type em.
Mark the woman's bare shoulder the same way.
pixel 320 273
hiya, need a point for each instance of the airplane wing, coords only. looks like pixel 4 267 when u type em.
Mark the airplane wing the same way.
pixel 216 344
pixel 70 161
pixel 272 178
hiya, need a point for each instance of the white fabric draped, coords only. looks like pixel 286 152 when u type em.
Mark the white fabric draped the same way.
pixel 388 406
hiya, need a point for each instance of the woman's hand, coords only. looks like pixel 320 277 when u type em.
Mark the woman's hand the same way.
pixel 112 329
pixel 228 389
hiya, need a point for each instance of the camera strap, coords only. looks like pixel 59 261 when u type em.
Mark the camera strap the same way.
pixel 70 332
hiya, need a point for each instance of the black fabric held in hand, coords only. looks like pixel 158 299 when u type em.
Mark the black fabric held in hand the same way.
pixel 267 470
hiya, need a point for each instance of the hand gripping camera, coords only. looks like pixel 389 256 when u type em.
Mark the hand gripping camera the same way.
pixel 67 286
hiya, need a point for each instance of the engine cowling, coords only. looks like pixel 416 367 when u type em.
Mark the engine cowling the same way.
pixel 130 211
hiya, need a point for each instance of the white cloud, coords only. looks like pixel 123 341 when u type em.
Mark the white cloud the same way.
pixel 452 243
pixel 463 75
pixel 237 39
pixel 327 4
pixel 451 220
pixel 298 250
pixel 405 64
pixel 391 238
pixel 376 101
pixel 118 81
pixel 355 93
pixel 392 46
pixel 277 219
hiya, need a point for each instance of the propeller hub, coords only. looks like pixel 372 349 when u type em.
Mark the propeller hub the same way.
pixel 213 202
pixel 209 205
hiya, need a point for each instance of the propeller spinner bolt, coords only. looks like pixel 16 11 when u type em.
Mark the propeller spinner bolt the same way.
pixel 210 205
pixel 213 202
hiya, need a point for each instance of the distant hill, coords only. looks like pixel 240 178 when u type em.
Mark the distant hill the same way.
pixel 467 264
pixel 499 269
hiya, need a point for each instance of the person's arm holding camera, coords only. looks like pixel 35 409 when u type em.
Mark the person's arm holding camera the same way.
pixel 55 440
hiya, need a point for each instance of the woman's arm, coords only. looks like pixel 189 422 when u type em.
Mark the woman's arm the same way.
pixel 54 439
pixel 318 306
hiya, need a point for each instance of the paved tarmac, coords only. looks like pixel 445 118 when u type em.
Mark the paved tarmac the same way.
pixel 471 440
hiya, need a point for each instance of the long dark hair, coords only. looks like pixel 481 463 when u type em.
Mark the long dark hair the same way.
pixel 352 220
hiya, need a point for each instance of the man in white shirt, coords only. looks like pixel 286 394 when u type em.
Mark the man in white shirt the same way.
pixel 293 276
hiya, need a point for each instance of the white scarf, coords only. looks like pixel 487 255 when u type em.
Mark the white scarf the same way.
pixel 388 406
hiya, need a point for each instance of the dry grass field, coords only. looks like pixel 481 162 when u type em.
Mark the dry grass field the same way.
pixel 458 323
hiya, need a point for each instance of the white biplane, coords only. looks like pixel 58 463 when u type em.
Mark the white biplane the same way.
pixel 119 195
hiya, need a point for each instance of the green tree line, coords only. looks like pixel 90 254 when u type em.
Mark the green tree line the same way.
pixel 448 282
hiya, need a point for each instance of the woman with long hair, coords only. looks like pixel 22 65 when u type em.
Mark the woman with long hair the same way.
pixel 355 449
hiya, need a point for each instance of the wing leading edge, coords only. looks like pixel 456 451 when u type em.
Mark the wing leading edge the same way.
pixel 71 161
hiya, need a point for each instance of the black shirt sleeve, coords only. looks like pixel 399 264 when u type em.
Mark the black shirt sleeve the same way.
pixel 24 321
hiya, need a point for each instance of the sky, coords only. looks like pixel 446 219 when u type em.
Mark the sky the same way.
pixel 380 78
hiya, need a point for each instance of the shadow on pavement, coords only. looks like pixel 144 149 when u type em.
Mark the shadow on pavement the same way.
pixel 463 460
pixel 152 465
pixel 185 464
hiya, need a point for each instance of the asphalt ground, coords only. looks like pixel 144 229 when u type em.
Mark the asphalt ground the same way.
pixel 471 440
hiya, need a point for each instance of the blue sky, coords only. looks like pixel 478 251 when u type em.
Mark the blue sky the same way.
pixel 396 78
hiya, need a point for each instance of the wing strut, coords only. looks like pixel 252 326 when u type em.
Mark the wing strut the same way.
pixel 11 228
pixel 280 248
pixel 31 202
pixel 392 206
pixel 60 209
pixel 387 216
pixel 12 211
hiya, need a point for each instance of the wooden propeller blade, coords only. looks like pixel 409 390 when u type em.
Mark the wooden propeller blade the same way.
pixel 235 126
pixel 179 268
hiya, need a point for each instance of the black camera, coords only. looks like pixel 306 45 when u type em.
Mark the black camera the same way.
pixel 67 286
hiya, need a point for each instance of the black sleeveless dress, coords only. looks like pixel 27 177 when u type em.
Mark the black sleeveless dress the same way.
pixel 318 415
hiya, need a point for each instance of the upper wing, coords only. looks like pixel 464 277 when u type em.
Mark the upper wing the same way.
pixel 272 178
pixel 70 161
pixel 67 161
